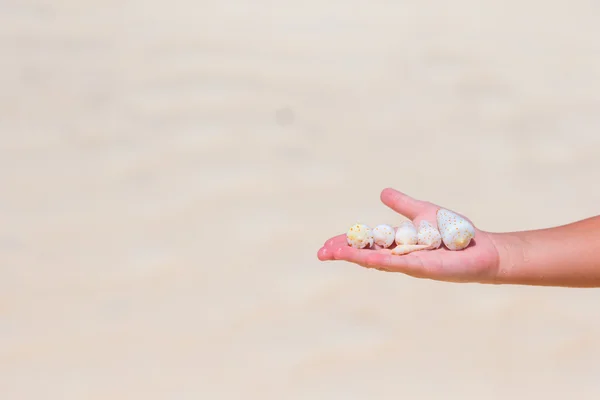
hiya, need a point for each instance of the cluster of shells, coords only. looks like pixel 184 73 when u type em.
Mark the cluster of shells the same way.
pixel 452 230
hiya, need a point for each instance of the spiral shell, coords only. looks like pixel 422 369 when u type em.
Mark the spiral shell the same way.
pixel 408 248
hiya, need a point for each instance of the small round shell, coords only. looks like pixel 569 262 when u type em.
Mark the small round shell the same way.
pixel 359 236
pixel 384 235
pixel 456 231
pixel 406 234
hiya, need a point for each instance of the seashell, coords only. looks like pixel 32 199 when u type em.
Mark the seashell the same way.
pixel 408 248
pixel 359 236
pixel 456 231
pixel 406 234
pixel 428 238
pixel 384 235
pixel 429 235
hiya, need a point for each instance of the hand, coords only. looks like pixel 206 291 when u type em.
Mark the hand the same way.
pixel 479 262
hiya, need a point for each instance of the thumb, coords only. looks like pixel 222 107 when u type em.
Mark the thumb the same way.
pixel 404 204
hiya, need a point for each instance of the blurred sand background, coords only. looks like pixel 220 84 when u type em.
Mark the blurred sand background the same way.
pixel 168 171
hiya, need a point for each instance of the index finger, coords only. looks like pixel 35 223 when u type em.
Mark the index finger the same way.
pixel 402 203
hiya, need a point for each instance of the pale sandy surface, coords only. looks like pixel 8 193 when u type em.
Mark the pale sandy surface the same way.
pixel 159 227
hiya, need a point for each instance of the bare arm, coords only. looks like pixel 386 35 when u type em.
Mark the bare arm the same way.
pixel 567 255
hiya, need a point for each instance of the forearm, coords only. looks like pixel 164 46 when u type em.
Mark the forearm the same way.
pixel 567 255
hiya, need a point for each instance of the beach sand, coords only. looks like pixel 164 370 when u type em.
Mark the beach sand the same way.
pixel 168 171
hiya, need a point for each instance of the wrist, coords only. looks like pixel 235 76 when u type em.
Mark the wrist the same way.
pixel 513 250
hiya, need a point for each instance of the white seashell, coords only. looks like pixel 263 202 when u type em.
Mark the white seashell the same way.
pixel 359 236
pixel 406 234
pixel 456 231
pixel 428 238
pixel 384 235
pixel 408 248
pixel 429 235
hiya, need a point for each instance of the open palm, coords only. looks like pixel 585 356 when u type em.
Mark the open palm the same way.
pixel 476 263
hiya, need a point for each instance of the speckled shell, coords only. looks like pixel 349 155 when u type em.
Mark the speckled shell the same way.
pixel 428 238
pixel 359 236
pixel 406 234
pixel 384 235
pixel 429 235
pixel 456 231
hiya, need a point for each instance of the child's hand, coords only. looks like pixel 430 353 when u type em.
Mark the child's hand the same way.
pixel 479 262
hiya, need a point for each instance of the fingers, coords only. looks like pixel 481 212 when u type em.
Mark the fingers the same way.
pixel 336 249
pixel 404 204
pixel 382 260
pixel 336 240
pixel 325 253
